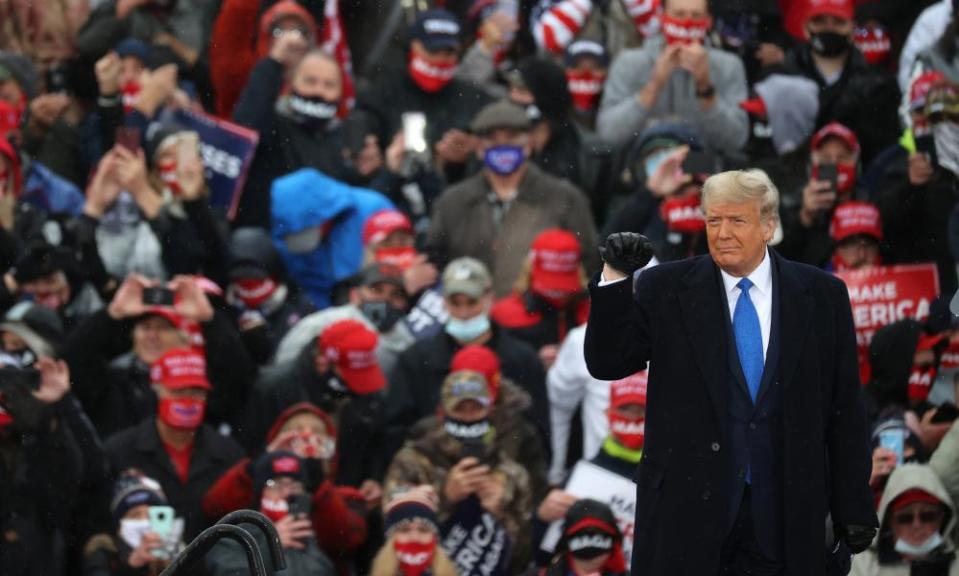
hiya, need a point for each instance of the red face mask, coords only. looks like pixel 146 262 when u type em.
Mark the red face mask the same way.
pixel 415 557
pixel 586 87
pixel 182 413
pixel 950 358
pixel 168 176
pixel 431 77
pixel 845 180
pixel 51 300
pixel 275 510
pixel 5 419
pixel 401 256
pixel 685 30
pixel 628 432
pixel 683 215
pixel 874 43
pixel 921 379
pixel 129 94
pixel 253 292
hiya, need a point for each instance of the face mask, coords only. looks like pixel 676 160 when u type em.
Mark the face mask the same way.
pixel 590 544
pixel 430 77
pixel 129 93
pixel 275 510
pixel 51 300
pixel 921 550
pixel 950 358
pixel 829 44
pixel 921 379
pixel 415 557
pixel 467 330
pixel 585 86
pixel 254 292
pixel 467 432
pixel 684 30
pixel 401 256
pixel 873 42
pixel 504 159
pixel 132 531
pixel 683 215
pixel 313 111
pixel 946 135
pixel 168 176
pixel 5 418
pixel 845 177
pixel 628 432
pixel 381 314
pixel 652 162
pixel 182 413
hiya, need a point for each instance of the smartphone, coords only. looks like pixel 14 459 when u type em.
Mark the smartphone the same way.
pixel 56 78
pixel 893 440
pixel 300 505
pixel 19 378
pixel 945 413
pixel 188 148
pixel 926 144
pixel 697 163
pixel 161 523
pixel 158 296
pixel 414 132
pixel 355 130
pixel 829 173
pixel 128 137
pixel 474 450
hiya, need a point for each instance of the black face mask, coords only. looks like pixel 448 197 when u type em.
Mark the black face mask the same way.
pixel 589 544
pixel 381 314
pixel 829 44
pixel 467 432
pixel 312 111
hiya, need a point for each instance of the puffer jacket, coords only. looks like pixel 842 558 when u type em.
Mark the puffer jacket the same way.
pixel 941 562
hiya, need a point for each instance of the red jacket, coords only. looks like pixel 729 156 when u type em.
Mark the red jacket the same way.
pixel 536 322
pixel 238 41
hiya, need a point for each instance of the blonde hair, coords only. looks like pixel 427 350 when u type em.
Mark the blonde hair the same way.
pixel 740 186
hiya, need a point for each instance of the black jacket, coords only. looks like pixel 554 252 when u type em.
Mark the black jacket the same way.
pixel 261 341
pixel 677 321
pixel 417 379
pixel 285 145
pixel 359 419
pixel 114 386
pixel 141 448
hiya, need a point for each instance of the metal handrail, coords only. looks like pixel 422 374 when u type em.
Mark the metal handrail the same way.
pixel 266 526
pixel 205 541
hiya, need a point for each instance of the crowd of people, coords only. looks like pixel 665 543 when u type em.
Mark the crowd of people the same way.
pixel 375 337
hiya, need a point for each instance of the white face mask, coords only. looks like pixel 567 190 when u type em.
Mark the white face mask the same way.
pixel 921 550
pixel 132 531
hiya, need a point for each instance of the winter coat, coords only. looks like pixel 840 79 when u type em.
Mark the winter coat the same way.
pixel 535 321
pixel 285 144
pixel 416 381
pixel 308 199
pixel 904 478
pixel 114 386
pixel 107 555
pixel 945 462
pixel 305 332
pixel 282 312
pixel 621 118
pixel 463 224
pixel 227 558
pixel 337 511
pixel 140 447
pixel 429 460
pixel 358 418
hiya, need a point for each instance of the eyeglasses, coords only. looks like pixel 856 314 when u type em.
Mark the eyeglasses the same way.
pixel 925 517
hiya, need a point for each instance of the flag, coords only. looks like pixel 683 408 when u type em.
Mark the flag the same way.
pixel 333 42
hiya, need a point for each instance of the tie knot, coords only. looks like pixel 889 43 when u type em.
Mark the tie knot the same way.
pixel 745 284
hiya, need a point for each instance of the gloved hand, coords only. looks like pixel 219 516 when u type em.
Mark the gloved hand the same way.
pixel 857 538
pixel 627 252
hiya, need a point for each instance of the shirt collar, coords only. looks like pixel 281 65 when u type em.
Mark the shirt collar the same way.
pixel 761 277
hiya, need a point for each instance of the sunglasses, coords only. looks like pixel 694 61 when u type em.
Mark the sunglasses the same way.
pixel 925 517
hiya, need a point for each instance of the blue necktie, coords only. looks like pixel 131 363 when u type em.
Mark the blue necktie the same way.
pixel 749 338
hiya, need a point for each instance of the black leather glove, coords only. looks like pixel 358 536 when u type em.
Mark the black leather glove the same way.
pixel 857 538
pixel 627 252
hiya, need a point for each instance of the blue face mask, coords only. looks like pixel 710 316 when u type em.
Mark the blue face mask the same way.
pixel 504 159
pixel 653 161
pixel 922 550
pixel 467 330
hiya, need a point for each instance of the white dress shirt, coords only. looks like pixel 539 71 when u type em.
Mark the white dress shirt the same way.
pixel 761 295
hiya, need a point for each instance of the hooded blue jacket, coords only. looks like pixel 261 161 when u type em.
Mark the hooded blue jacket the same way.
pixel 308 199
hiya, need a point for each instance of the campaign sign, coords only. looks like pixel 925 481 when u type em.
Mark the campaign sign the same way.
pixel 227 150
pixel 618 492
pixel 475 541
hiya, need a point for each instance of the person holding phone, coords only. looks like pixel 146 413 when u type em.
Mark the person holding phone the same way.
pixel 279 487
pixel 459 458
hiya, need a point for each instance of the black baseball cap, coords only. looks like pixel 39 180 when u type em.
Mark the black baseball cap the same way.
pixel 437 29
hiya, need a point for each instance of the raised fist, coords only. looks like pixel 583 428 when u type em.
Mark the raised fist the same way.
pixel 626 252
